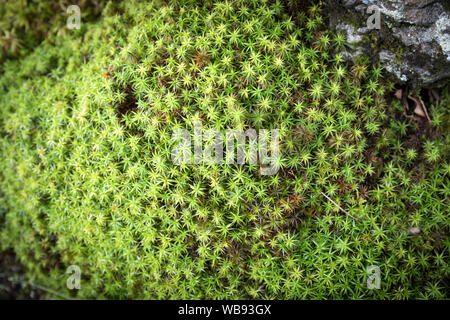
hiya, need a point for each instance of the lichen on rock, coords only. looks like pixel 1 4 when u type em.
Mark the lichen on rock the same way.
pixel 412 44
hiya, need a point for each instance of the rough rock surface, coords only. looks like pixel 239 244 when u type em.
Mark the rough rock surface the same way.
pixel 413 42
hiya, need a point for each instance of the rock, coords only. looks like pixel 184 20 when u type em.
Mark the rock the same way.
pixel 413 42
pixel 414 231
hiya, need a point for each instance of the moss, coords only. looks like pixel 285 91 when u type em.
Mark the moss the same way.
pixel 25 24
pixel 87 177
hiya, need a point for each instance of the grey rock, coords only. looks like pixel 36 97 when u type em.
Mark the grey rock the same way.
pixel 413 43
pixel 352 35
pixel 414 231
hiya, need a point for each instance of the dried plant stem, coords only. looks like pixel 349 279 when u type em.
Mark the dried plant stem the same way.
pixel 338 206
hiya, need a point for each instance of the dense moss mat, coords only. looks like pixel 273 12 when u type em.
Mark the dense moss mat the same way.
pixel 86 176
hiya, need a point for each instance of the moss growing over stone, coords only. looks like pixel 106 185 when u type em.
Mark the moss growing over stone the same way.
pixel 87 178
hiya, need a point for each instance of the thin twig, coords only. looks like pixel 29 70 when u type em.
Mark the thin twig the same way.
pixel 50 291
pixel 338 206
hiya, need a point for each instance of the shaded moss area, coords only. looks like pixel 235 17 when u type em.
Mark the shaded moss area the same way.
pixel 26 23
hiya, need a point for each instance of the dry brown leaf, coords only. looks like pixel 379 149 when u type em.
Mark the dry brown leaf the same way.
pixel 406 107
pixel 420 108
